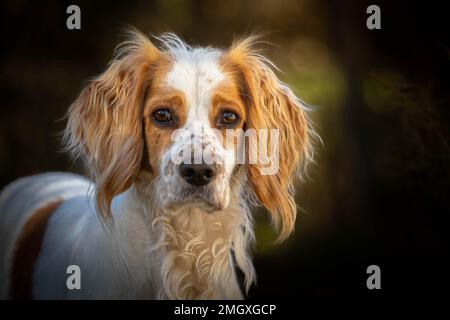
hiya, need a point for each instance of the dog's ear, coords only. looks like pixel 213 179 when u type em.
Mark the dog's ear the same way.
pixel 272 105
pixel 104 124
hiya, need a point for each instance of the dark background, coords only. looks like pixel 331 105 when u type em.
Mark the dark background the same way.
pixel 379 192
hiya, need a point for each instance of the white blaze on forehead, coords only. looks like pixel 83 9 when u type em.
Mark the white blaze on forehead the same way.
pixel 196 74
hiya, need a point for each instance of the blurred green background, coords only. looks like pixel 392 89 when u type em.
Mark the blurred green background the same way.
pixel 379 192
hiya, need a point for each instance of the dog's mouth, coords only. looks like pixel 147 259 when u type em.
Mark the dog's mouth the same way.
pixel 202 198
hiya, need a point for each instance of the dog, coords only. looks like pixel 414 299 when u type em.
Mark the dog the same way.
pixel 145 226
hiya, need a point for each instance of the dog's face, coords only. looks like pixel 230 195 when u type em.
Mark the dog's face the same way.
pixel 176 114
pixel 190 106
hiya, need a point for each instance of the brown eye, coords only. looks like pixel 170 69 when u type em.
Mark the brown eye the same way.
pixel 162 116
pixel 228 118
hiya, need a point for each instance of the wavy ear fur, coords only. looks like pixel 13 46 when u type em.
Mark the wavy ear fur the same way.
pixel 104 123
pixel 272 105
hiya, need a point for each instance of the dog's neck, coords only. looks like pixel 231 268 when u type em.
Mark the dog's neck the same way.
pixel 191 251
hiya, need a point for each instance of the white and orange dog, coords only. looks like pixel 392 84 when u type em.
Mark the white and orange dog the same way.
pixel 148 226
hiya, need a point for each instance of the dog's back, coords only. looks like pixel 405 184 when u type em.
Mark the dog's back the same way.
pixel 25 207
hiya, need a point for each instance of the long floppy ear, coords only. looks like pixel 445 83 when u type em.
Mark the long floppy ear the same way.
pixel 104 124
pixel 272 105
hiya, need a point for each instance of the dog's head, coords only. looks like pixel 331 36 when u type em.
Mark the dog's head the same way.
pixel 196 123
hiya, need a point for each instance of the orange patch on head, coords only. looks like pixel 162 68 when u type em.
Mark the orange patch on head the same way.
pixel 226 97
pixel 160 97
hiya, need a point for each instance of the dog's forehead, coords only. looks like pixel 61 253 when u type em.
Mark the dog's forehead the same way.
pixel 196 73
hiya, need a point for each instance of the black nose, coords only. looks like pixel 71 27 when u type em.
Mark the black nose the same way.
pixel 197 174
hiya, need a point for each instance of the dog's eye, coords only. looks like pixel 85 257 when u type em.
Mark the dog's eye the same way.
pixel 162 116
pixel 228 119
